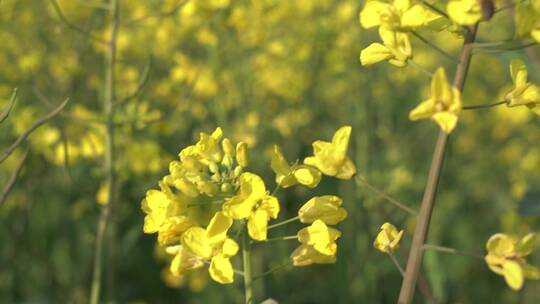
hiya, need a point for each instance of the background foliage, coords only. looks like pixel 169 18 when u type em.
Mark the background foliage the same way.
pixel 267 72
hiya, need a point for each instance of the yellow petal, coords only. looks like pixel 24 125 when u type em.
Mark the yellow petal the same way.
pixel 424 110
pixel 518 72
pixel 270 204
pixel 184 261
pixel 281 168
pixel 526 245
pixel 375 53
pixel 320 236
pixel 446 120
pixel 196 241
pixel 229 248
pixel 258 225
pixel 440 89
pixel 500 244
pixel 464 12
pixel 306 255
pixel 252 190
pixel 218 227
pixel 221 270
pixel 326 208
pixel 307 175
pixel 346 170
pixel 415 17
pixel 370 16
pixel 513 274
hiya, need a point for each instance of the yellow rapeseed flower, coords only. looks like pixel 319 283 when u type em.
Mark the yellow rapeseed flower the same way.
pixel 326 208
pixel 257 224
pixel 400 15
pixel 211 244
pixel 388 238
pixel 321 237
pixel 464 12
pixel 396 49
pixel 527 19
pixel 306 255
pixel 287 176
pixel 444 105
pixel 506 257
pixel 253 203
pixel 331 157
pixel 523 92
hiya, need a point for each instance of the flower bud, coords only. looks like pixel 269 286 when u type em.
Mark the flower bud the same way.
pixel 237 171
pixel 242 156
pixel 326 208
pixel 226 187
pixel 186 187
pixel 213 167
pixel 227 147
pixel 307 175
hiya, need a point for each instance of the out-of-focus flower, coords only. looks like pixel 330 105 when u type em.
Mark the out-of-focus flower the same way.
pixel 523 92
pixel 444 105
pixel 388 238
pixel 400 15
pixel 527 19
pixel 396 49
pixel 331 157
pixel 326 208
pixel 464 12
pixel 506 257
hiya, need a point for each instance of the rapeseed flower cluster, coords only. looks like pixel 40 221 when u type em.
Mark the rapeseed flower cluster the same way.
pixel 210 181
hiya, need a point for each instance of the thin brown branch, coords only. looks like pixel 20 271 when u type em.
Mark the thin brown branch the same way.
pixel 72 26
pixel 12 180
pixel 141 85
pixel 168 13
pixel 9 107
pixel 416 253
pixel 38 123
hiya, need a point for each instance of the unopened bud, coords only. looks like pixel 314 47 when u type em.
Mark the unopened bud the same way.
pixel 242 156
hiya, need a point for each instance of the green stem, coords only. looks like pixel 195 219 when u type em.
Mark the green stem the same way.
pixel 452 251
pixel 398 266
pixel 271 271
pixel 420 68
pixel 282 238
pixel 246 259
pixel 435 9
pixel 414 262
pixel 436 48
pixel 110 174
pixel 485 106
pixel 284 222
pixel 387 197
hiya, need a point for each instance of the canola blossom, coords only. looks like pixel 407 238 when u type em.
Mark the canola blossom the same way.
pixel 443 106
pixel 331 157
pixel 388 238
pixel 208 189
pixel 523 92
pixel 507 257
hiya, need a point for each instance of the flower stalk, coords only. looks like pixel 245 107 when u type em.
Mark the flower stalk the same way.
pixel 246 259
pixel 414 262
pixel 110 174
